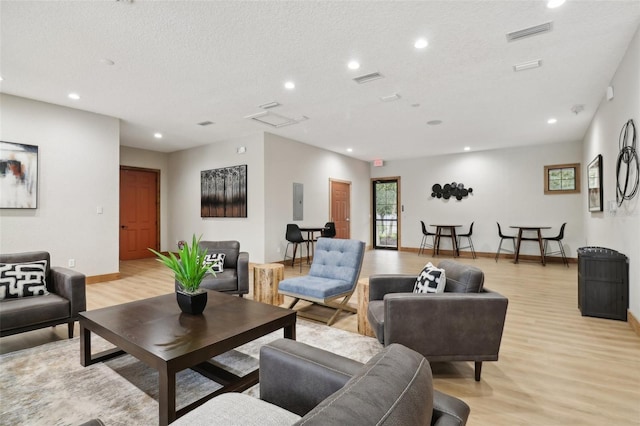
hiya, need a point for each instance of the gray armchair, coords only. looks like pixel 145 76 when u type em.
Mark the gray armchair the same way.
pixel 464 323
pixel 65 300
pixel 235 276
pixel 301 384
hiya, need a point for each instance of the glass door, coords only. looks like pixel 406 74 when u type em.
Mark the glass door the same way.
pixel 385 206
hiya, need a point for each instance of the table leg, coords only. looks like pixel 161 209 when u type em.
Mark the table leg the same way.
pixel 518 246
pixel 541 247
pixel 85 345
pixel 290 331
pixel 167 397
pixel 454 238
pixel 436 243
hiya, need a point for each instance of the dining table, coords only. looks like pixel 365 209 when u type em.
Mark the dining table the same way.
pixel 538 238
pixel 450 234
pixel 311 230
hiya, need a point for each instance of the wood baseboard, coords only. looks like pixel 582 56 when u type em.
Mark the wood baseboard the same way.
pixel 633 322
pixel 103 278
pixel 467 254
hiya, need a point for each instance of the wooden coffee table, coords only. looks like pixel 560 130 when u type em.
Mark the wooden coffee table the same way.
pixel 157 333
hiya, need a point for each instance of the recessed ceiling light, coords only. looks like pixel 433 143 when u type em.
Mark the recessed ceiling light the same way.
pixel 349 149
pixel 467 148
pixel 421 43
pixel 552 4
pixel 290 85
pixel 353 65
pixel 434 122
pixel 552 121
pixel 74 96
pixel 157 135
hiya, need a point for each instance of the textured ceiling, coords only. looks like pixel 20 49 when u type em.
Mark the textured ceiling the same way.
pixel 177 63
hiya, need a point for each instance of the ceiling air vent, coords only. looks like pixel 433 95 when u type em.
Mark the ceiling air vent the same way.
pixel 368 77
pixel 528 32
pixel 271 119
pixel 205 123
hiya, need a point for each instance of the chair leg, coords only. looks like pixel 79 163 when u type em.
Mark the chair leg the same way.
pixel 296 300
pixel 473 250
pixel 478 370
pixel 564 257
pixel 498 252
pixel 422 244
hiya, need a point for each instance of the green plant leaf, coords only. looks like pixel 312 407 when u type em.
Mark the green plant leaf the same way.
pixel 190 269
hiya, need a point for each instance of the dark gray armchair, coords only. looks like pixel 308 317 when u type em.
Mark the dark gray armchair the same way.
pixel 235 276
pixel 301 384
pixel 464 323
pixel 65 300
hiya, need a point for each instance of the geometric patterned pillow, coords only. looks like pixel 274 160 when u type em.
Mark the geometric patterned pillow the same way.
pixel 216 261
pixel 430 280
pixel 23 279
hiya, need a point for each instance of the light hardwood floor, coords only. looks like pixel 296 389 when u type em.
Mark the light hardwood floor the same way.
pixel 556 367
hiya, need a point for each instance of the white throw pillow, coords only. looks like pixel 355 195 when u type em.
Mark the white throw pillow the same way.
pixel 216 261
pixel 430 280
pixel 23 279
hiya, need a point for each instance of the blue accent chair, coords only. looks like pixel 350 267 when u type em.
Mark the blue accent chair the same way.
pixel 333 275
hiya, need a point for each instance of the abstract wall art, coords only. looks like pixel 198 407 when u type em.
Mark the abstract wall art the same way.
pixel 18 176
pixel 224 192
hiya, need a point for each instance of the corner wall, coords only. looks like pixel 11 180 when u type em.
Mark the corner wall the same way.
pixel 288 161
pixel 184 195
pixel 619 230
pixel 78 156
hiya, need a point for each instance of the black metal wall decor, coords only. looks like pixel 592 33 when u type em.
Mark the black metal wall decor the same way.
pixel 627 168
pixel 453 189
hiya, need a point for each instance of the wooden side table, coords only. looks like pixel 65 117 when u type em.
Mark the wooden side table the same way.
pixel 265 283
pixel 363 303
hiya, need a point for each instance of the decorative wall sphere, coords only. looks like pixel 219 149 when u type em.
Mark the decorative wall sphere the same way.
pixel 454 189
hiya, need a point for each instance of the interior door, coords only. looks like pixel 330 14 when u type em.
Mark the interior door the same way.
pixel 341 207
pixel 138 213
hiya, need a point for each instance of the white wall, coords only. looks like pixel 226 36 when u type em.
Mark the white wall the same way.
pixel 78 172
pixel 507 188
pixel 619 230
pixel 134 157
pixel 288 161
pixel 184 195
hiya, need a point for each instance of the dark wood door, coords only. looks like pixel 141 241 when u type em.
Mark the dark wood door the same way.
pixel 341 208
pixel 138 213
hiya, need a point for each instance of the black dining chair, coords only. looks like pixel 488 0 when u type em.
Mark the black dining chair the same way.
pixel 558 238
pixel 294 238
pixel 502 238
pixel 425 236
pixel 329 230
pixel 469 240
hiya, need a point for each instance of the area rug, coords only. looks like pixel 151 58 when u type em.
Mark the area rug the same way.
pixel 46 385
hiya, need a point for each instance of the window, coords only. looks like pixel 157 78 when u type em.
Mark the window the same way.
pixel 562 179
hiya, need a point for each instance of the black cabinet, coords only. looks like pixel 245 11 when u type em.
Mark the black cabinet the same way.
pixel 603 283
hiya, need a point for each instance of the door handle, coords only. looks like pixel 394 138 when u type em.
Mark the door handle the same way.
pixel 347 219
pixel 124 227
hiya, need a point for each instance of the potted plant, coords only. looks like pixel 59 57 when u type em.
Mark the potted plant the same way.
pixel 189 271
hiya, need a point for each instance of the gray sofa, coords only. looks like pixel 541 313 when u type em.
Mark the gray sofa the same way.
pixel 300 384
pixel 65 300
pixel 465 323
pixel 235 277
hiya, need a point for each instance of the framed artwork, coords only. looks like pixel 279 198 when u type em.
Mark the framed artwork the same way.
pixel 223 192
pixel 594 175
pixel 562 179
pixel 18 176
